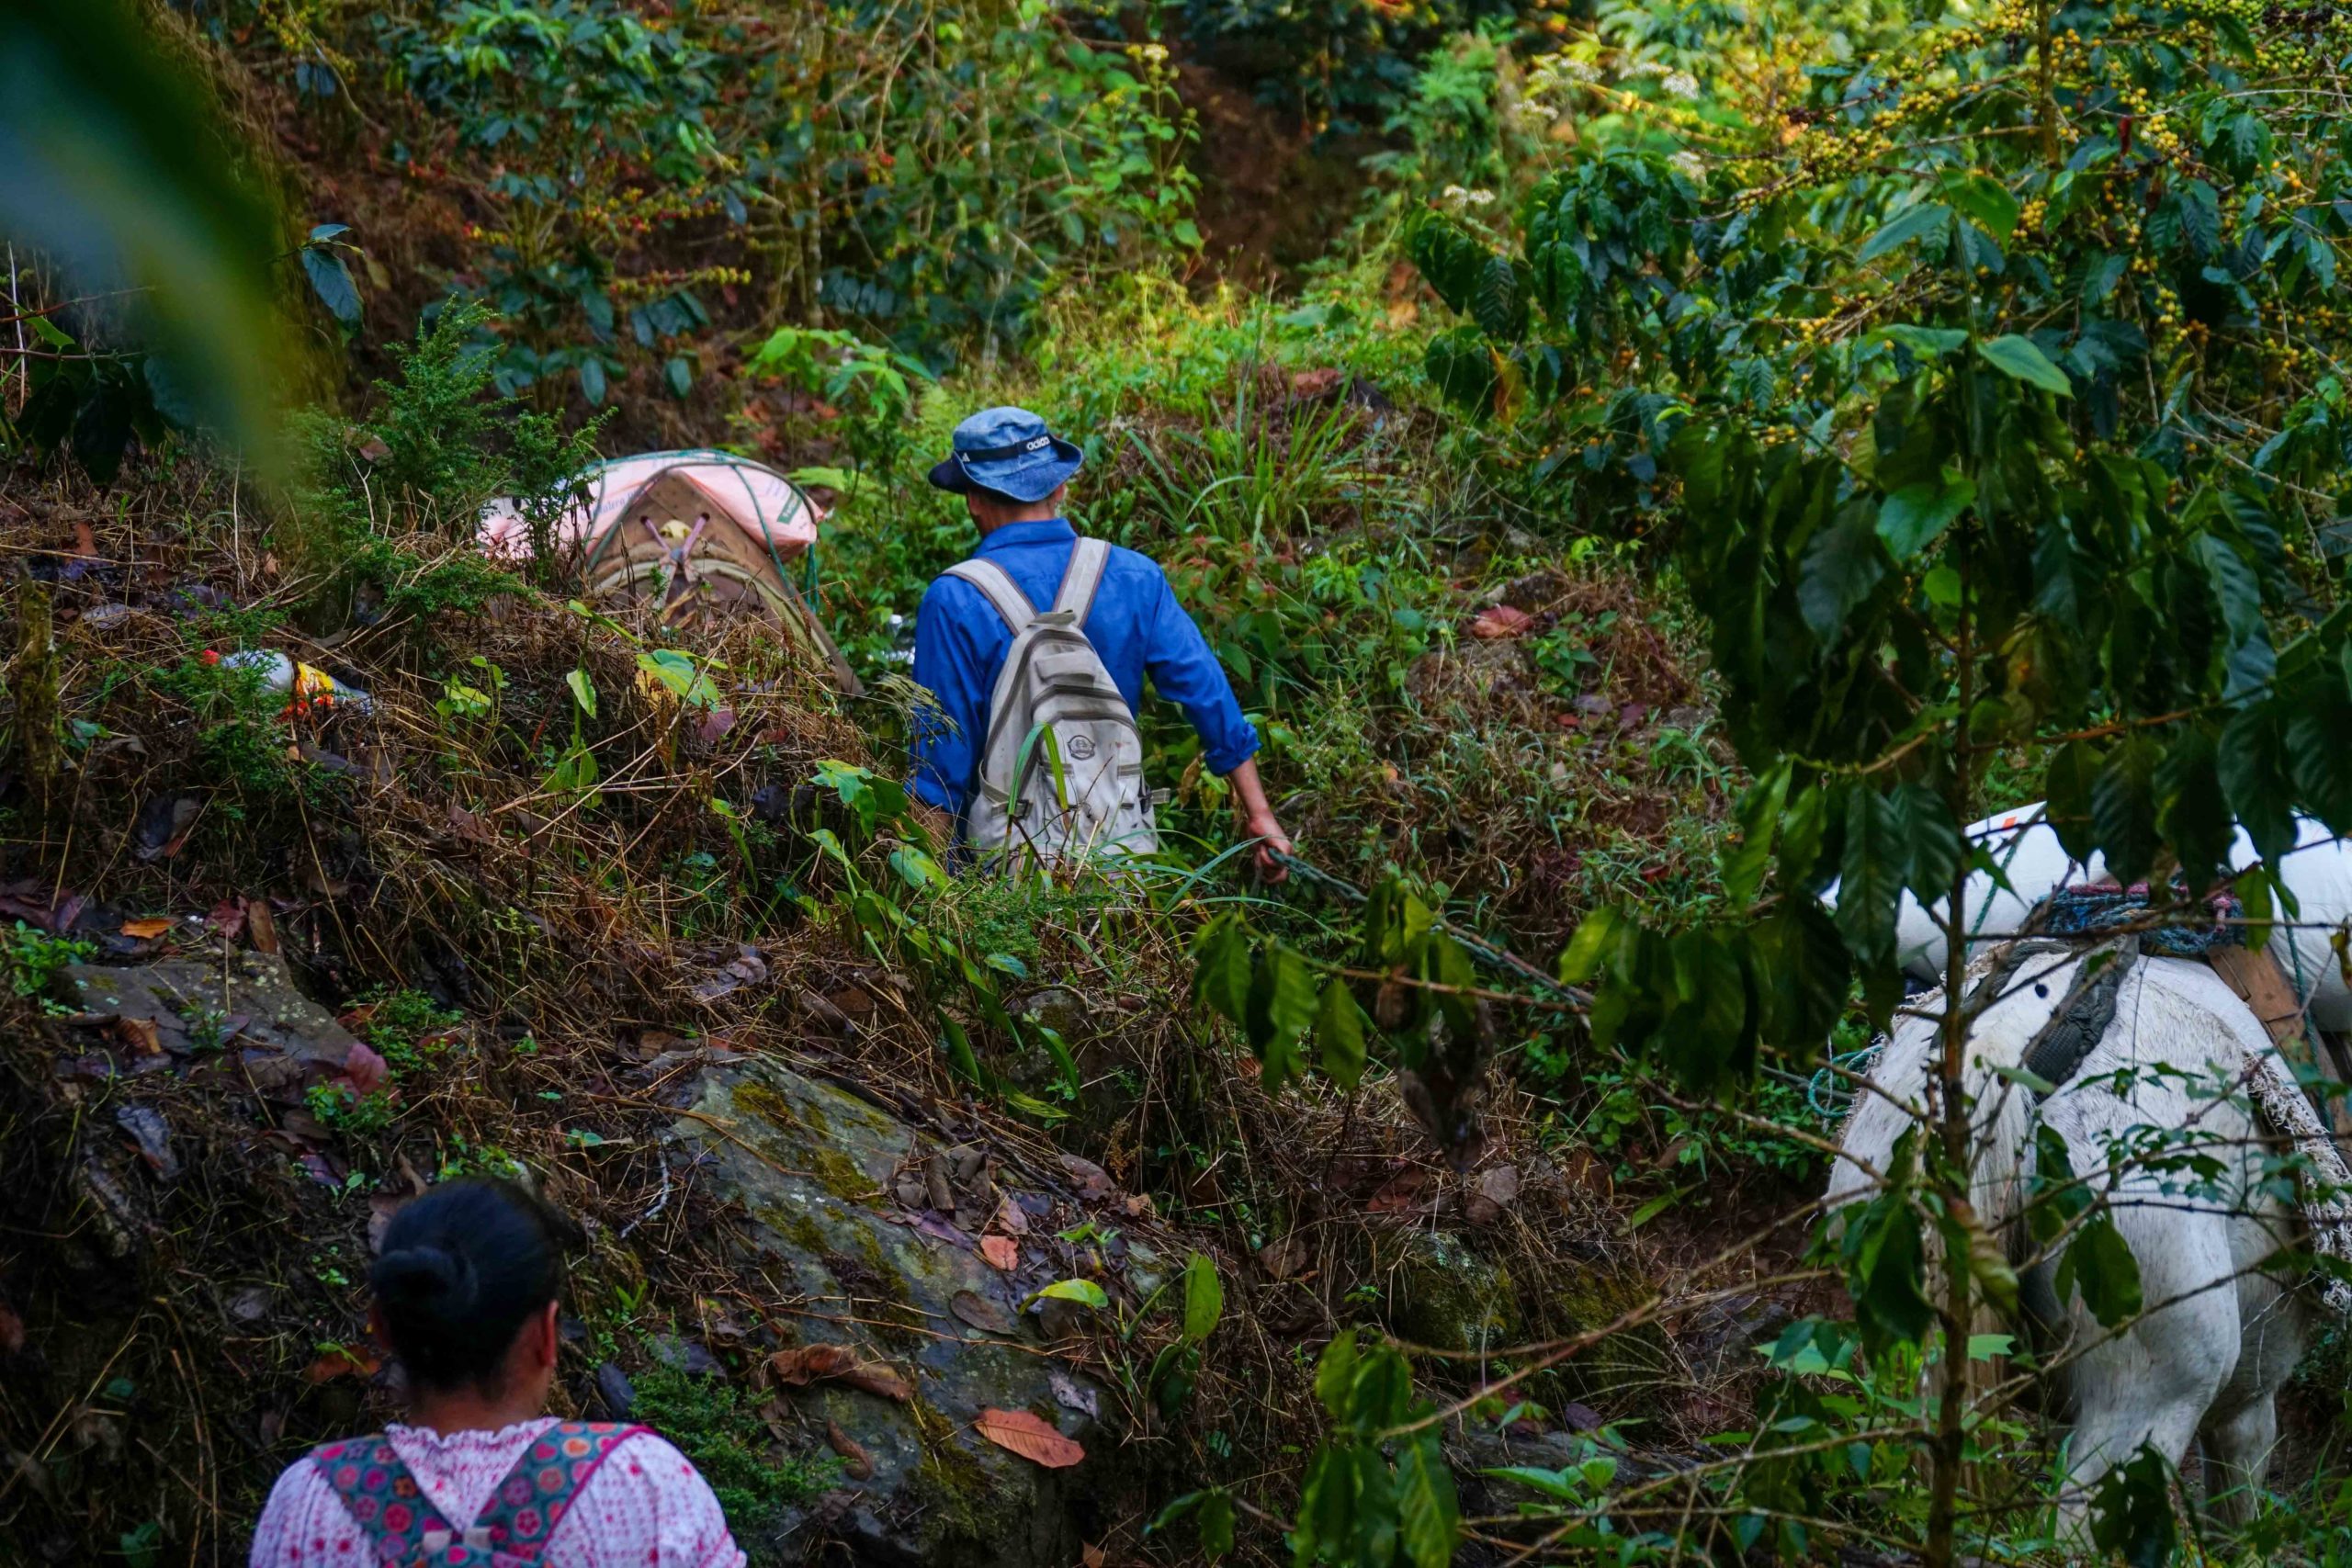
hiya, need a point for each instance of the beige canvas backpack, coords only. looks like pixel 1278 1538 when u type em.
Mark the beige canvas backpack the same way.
pixel 1061 766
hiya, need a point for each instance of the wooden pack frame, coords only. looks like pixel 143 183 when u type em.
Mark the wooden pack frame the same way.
pixel 2263 986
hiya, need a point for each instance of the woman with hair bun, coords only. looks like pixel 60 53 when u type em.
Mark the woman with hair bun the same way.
pixel 466 1295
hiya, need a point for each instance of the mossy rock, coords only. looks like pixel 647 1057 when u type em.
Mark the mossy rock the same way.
pixel 809 1167
pixel 1442 1295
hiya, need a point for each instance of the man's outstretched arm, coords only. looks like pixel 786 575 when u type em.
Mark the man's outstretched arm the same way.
pixel 1185 670
pixel 1258 820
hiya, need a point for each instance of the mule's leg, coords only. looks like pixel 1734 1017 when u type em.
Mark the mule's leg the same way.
pixel 2242 1430
pixel 2152 1382
pixel 2237 1456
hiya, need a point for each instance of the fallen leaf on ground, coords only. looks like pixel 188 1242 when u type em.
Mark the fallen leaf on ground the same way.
pixel 1001 1251
pixel 340 1364
pixel 880 1381
pixel 857 1464
pixel 367 1070
pixel 1400 1193
pixel 140 1035
pixel 1500 1184
pixel 1499 622
pixel 261 926
pixel 12 1331
pixel 1284 1257
pixel 1010 1217
pixel 1032 1439
pixel 981 1313
pixel 804 1364
pixel 227 917
pixel 1091 1556
pixel 1092 1180
pixel 144 929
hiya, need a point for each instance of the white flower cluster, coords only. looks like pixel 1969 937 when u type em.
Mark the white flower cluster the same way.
pixel 1464 197
pixel 1681 84
pixel 1690 164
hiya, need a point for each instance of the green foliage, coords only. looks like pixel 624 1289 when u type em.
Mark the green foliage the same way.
pixel 115 162
pixel 34 958
pixel 716 1426
pixel 1379 1492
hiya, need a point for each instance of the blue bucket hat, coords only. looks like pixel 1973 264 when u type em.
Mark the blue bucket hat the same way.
pixel 1010 452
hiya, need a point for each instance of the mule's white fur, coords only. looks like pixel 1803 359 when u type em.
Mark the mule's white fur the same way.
pixel 2220 1334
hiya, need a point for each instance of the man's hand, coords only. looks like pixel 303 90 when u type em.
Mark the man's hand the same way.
pixel 1258 820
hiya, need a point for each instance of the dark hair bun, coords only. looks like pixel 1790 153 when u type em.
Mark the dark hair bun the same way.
pixel 463 1269
pixel 424 1282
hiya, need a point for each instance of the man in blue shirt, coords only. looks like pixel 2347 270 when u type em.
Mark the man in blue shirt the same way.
pixel 1014 475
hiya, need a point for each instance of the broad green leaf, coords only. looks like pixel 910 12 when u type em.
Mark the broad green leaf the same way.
pixel 2191 812
pixel 1937 848
pixel 1742 862
pixel 2100 1263
pixel 1216 1524
pixel 1915 516
pixel 1427 1510
pixel 1221 977
pixel 1339 1033
pixel 1928 343
pixel 2256 773
pixel 2123 810
pixel 1842 564
pixel 2017 356
pixel 583 690
pixel 1876 864
pixel 1086 1292
pixel 2250 663
pixel 2066 797
pixel 2132 1513
pixel 1204 1298
pixel 1985 200
pixel 1912 223
pixel 1498 302
pixel 1598 937
pixel 331 281
pixel 1335 1374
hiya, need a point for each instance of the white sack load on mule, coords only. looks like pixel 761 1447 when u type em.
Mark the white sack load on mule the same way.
pixel 700 536
pixel 2317 872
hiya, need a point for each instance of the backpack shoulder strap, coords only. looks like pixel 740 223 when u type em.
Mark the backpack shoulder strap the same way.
pixel 999 590
pixel 1083 578
pixel 528 1506
pixel 375 1485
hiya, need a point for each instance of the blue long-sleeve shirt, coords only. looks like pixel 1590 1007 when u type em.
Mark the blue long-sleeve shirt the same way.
pixel 1137 626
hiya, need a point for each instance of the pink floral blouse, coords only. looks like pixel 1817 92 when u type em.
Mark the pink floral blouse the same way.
pixel 645 1507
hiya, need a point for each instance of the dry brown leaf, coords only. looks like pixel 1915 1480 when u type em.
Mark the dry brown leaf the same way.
pixel 140 1035
pixel 1402 1192
pixel 804 1364
pixel 981 1312
pixel 1010 1217
pixel 1035 1441
pixel 857 1464
pixel 1499 622
pixel 260 926
pixel 142 930
pixel 12 1330
pixel 1092 1556
pixel 1500 1185
pixel 346 1362
pixel 880 1381
pixel 1001 1251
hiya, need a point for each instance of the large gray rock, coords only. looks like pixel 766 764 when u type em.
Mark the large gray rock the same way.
pixel 199 1006
pixel 816 1173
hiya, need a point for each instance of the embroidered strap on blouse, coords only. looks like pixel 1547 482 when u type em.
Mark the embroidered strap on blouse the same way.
pixel 642 1507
